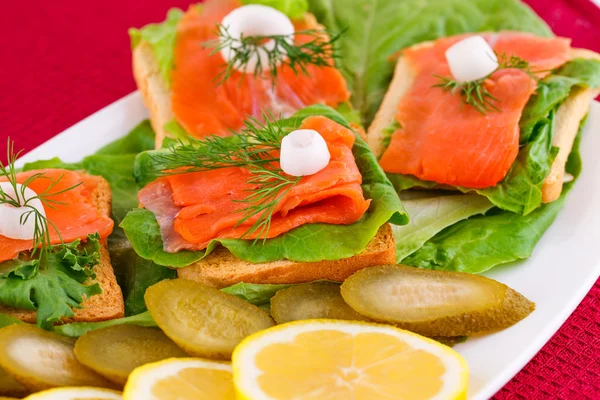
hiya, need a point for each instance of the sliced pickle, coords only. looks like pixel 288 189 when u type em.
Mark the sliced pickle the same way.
pixel 312 301
pixel 41 360
pixel 116 351
pixel 434 303
pixel 10 387
pixel 202 320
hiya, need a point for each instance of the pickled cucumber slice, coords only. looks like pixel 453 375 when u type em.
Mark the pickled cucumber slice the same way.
pixel 41 360
pixel 10 387
pixel 434 303
pixel 312 301
pixel 116 351
pixel 202 320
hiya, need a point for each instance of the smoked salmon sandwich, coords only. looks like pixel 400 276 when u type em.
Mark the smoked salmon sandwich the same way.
pixel 493 113
pixel 282 201
pixel 491 119
pixel 203 71
pixel 54 262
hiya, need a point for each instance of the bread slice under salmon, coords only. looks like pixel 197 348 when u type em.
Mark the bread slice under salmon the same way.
pixel 107 305
pixel 221 268
pixel 155 90
pixel 567 121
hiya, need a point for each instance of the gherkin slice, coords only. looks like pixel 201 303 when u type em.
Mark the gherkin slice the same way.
pixel 434 303
pixel 202 320
pixel 116 351
pixel 41 360
pixel 312 301
pixel 9 386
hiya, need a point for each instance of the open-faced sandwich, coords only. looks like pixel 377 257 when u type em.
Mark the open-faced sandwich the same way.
pixel 204 71
pixel 284 201
pixel 54 262
pixel 495 114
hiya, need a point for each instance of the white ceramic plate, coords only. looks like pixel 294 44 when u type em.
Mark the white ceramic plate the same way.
pixel 565 265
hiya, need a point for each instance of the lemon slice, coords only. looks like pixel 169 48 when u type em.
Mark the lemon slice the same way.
pixel 76 393
pixel 329 359
pixel 181 379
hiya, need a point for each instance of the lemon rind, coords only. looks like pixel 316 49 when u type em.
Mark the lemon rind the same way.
pixel 139 385
pixel 91 392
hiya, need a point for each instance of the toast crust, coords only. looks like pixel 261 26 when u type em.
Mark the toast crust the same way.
pixel 568 119
pixel 107 305
pixel 566 126
pixel 221 268
pixel 155 90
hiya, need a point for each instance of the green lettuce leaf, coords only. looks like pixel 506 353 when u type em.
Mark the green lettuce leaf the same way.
pixel 78 329
pixel 307 243
pixel 428 216
pixel 482 242
pixel 6 320
pixel 292 8
pixel 377 29
pixel 161 37
pixel 56 285
pixel 115 162
pixel 554 89
pixel 257 294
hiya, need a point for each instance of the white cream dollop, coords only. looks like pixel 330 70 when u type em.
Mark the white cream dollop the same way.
pixel 471 59
pixel 304 152
pixel 11 225
pixel 256 20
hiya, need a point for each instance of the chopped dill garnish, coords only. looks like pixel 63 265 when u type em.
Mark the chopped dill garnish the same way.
pixel 475 93
pixel 41 232
pixel 255 148
pixel 319 50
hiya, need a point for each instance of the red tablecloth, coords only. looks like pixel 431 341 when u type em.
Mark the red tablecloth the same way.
pixel 64 60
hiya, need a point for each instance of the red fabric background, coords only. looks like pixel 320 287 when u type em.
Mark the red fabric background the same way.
pixel 64 60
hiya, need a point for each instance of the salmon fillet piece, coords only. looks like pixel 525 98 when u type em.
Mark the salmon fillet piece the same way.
pixel 442 140
pixel 203 107
pixel 195 208
pixel 72 213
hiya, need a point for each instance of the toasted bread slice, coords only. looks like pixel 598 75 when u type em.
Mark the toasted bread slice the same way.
pixel 107 305
pixel 568 119
pixel 221 268
pixel 155 90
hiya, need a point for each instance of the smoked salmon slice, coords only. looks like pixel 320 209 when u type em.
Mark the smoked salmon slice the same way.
pixel 194 208
pixel 442 140
pixel 203 107
pixel 73 212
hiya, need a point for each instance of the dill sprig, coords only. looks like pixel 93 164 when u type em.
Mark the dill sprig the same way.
pixel 475 93
pixel 255 148
pixel 19 198
pixel 320 51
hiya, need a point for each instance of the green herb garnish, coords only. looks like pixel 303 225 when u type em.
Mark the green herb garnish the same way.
pixel 474 93
pixel 320 51
pixel 51 279
pixel 255 148
pixel 41 233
